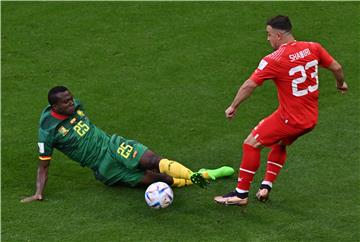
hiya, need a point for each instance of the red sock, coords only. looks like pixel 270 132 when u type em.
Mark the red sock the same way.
pixel 249 165
pixel 276 160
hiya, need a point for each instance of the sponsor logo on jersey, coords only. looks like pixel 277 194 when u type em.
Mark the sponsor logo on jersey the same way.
pixel 62 130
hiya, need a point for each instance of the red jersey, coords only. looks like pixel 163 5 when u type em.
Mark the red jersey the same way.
pixel 294 69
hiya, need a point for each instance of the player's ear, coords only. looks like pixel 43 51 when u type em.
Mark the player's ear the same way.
pixel 54 107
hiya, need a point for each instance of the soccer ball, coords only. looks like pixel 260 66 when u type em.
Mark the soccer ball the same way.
pixel 159 195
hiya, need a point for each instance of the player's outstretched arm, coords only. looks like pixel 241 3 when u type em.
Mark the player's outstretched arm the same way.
pixel 338 72
pixel 244 92
pixel 42 175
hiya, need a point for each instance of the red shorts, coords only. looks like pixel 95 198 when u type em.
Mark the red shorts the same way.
pixel 274 129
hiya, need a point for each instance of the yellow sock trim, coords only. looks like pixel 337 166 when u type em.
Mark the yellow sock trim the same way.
pixel 179 182
pixel 174 169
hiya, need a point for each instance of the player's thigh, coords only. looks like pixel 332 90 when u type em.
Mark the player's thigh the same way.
pixel 126 152
pixel 273 129
pixel 111 172
pixel 295 135
pixel 270 130
pixel 132 178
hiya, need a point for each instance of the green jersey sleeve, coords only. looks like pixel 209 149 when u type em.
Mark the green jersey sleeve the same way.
pixel 46 134
pixel 45 145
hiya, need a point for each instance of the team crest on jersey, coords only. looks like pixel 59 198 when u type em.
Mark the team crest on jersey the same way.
pixel 80 113
pixel 62 130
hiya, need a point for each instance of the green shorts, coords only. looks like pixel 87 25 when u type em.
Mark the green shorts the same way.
pixel 121 162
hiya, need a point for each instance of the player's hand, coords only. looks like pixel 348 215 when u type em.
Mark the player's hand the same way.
pixel 343 88
pixel 35 197
pixel 230 112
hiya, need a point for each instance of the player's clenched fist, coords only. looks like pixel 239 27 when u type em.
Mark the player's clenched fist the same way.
pixel 230 112
pixel 342 88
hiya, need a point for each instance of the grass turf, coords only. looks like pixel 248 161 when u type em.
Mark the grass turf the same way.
pixel 163 73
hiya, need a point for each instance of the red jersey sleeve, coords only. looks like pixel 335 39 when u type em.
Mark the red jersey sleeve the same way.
pixel 264 71
pixel 325 59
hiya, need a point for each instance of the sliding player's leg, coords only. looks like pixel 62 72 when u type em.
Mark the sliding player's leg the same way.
pixel 151 161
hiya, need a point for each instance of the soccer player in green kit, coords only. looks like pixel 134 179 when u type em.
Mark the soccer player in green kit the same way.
pixel 113 159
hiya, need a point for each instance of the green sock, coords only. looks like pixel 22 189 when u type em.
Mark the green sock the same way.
pixel 217 173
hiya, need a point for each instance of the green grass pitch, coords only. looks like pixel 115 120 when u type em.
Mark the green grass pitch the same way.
pixel 163 73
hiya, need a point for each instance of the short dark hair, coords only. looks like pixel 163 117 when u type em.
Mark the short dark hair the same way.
pixel 280 22
pixel 52 94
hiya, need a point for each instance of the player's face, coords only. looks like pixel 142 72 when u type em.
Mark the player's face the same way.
pixel 273 36
pixel 65 104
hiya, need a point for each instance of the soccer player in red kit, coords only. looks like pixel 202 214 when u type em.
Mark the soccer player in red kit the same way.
pixel 293 66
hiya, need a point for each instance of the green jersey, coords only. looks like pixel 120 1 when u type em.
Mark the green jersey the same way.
pixel 112 159
pixel 75 136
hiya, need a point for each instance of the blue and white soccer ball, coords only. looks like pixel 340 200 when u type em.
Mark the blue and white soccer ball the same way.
pixel 159 195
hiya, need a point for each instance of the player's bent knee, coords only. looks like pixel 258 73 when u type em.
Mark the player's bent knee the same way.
pixel 150 161
pixel 250 140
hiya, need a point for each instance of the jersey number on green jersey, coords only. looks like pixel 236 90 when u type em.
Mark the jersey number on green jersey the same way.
pixel 81 128
pixel 125 150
